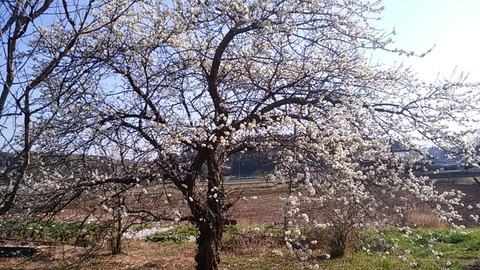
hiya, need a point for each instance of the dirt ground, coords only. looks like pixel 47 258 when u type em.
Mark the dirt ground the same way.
pixel 255 206
pixel 263 204
pixel 146 255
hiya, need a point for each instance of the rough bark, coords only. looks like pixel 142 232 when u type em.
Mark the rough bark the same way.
pixel 209 245
pixel 211 220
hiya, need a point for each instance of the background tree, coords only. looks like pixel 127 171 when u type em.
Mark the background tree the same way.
pixel 181 86
pixel 476 145
pixel 31 58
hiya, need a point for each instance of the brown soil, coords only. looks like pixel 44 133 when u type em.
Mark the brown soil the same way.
pixel 267 208
pixel 263 205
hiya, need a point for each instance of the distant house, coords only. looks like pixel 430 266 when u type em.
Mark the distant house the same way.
pixel 441 160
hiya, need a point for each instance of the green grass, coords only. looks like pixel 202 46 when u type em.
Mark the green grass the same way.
pixel 179 235
pixel 43 230
pixel 421 249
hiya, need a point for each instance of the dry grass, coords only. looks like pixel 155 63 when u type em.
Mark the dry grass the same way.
pixel 425 219
pixel 251 241
pixel 252 252
pixel 139 255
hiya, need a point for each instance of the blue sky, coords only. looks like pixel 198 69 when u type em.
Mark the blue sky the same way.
pixel 453 26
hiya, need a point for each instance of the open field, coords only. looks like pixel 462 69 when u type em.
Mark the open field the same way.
pixel 258 202
pixel 263 205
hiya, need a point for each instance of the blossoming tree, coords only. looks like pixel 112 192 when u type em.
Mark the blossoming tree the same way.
pixel 29 60
pixel 182 85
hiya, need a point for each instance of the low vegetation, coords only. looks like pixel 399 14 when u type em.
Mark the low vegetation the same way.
pixel 256 247
pixel 43 231
pixel 178 235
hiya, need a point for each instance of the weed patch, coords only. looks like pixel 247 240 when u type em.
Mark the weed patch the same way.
pixel 420 248
pixel 179 235
pixel 44 231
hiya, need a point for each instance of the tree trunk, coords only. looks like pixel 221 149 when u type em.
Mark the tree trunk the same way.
pixel 209 244
pixel 338 242
pixel 210 218
pixel 118 233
